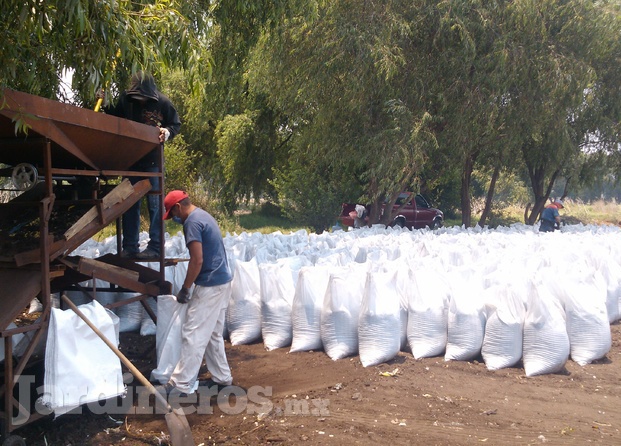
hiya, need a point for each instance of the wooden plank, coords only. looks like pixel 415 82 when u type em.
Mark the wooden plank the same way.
pixel 117 195
pixel 127 278
pixel 140 189
pixel 110 273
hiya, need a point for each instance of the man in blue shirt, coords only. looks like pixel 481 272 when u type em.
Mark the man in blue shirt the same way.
pixel 550 217
pixel 209 272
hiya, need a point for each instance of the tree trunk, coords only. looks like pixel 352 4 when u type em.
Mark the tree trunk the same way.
pixel 537 179
pixel 566 189
pixel 490 195
pixel 466 205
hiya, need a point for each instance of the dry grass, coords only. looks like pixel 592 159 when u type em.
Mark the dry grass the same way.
pixel 576 211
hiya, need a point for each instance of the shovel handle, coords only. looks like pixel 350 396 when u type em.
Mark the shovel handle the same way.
pixel 132 368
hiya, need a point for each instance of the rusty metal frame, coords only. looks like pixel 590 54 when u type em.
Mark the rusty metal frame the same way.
pixel 53 137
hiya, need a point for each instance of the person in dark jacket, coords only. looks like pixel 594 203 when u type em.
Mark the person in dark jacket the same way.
pixel 143 102
pixel 550 217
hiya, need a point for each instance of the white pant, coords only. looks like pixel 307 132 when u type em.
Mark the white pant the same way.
pixel 201 336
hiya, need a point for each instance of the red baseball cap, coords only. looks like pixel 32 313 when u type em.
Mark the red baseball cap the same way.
pixel 172 198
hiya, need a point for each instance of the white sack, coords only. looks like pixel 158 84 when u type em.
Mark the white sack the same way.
pixel 278 282
pixel 588 329
pixel 130 314
pixel 546 344
pixel 466 318
pixel 403 283
pixel 427 326
pixel 379 330
pixel 306 312
pixel 171 316
pixel 504 330
pixel 147 326
pixel 341 311
pixel 243 315
pixel 79 367
pixel 611 272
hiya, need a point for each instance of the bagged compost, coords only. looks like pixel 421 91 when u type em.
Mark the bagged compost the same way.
pixel 341 311
pixel 130 314
pixel 546 344
pixel 584 298
pixel 379 330
pixel 278 282
pixel 466 318
pixel 243 315
pixel 504 330
pixel 306 311
pixel 427 326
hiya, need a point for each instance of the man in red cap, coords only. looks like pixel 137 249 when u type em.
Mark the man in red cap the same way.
pixel 550 217
pixel 209 273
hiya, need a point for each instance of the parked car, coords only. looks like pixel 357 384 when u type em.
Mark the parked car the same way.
pixel 415 214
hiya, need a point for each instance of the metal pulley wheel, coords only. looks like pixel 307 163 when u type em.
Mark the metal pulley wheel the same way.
pixel 24 176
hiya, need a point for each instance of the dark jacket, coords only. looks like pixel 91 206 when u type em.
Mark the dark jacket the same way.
pixel 156 110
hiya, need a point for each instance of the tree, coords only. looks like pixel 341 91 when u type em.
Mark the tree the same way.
pixel 557 50
pixel 334 80
pixel 101 35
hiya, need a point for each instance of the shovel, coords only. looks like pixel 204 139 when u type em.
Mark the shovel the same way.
pixel 180 433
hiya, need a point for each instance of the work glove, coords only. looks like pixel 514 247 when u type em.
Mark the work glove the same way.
pixel 164 134
pixel 183 296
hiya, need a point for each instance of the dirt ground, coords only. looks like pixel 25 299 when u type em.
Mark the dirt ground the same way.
pixel 306 398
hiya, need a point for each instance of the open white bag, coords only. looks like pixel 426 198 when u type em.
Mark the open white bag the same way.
pixel 79 367
pixel 171 316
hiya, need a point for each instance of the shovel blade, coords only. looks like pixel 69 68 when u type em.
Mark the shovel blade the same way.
pixel 179 429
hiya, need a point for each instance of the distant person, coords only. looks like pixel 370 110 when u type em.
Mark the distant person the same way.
pixel 360 216
pixel 550 217
pixel 209 273
pixel 142 102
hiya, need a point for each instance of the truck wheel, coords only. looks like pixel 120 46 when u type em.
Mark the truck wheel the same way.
pixel 437 223
pixel 399 222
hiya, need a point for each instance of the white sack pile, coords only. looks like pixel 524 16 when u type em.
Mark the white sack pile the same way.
pixel 508 295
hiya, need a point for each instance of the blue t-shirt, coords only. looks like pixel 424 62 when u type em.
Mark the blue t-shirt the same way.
pixel 550 213
pixel 201 227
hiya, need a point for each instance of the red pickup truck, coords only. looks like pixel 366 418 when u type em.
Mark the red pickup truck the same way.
pixel 414 214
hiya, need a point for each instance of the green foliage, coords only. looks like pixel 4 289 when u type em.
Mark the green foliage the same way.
pixel 246 152
pixel 148 34
pixel 307 192
pixel 180 167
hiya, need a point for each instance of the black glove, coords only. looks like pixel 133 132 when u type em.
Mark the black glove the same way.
pixel 183 296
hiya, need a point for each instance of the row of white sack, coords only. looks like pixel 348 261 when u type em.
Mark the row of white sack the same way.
pixel 282 303
pixel 376 313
